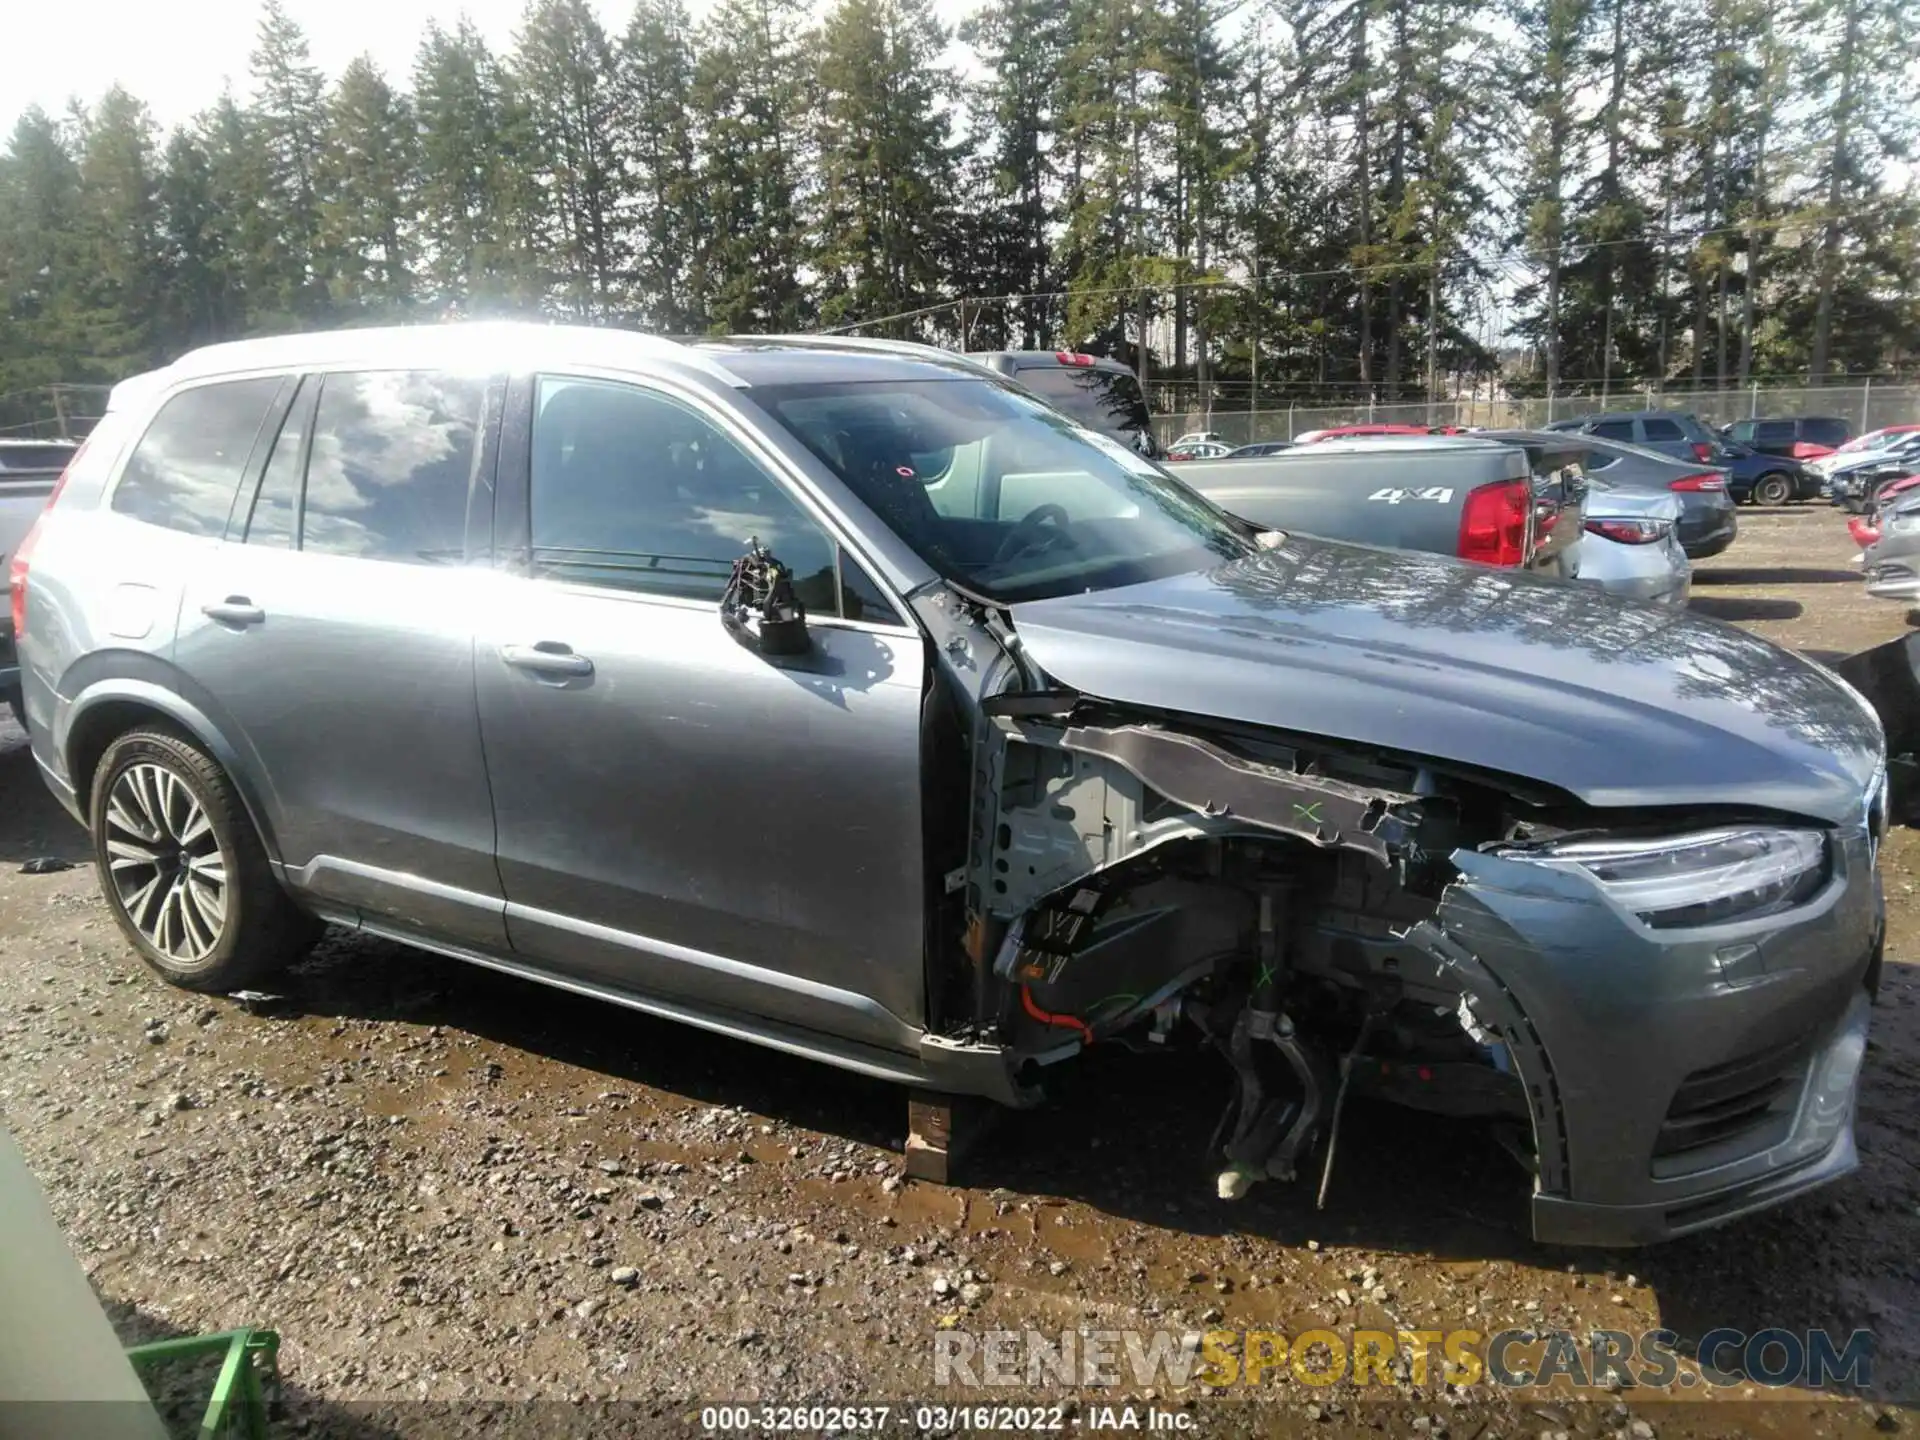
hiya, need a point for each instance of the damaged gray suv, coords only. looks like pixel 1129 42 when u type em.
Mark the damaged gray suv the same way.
pixel 854 702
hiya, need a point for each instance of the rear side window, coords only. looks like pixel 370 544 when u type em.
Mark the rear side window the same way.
pixel 390 466
pixel 1824 431
pixel 183 473
pixel 1774 432
pixel 1663 430
pixel 1614 430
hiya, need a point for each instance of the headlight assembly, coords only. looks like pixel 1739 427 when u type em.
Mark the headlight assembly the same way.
pixel 1710 878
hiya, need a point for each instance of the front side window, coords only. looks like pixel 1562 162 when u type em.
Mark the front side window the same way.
pixel 1000 493
pixel 391 464
pixel 184 472
pixel 635 490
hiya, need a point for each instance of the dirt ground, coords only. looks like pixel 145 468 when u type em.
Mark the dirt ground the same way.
pixel 454 1193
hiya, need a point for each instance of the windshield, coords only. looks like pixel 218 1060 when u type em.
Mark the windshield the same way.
pixel 1001 494
pixel 1108 400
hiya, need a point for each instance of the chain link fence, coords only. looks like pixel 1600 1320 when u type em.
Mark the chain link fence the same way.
pixel 1864 407
pixel 52 412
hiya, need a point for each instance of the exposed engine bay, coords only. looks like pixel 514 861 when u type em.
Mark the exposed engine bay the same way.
pixel 1140 884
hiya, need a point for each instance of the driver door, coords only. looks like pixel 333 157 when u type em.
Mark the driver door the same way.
pixel 678 815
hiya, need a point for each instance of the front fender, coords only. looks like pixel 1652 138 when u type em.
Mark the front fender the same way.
pixel 86 724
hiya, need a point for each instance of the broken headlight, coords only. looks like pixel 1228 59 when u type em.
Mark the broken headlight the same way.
pixel 1706 879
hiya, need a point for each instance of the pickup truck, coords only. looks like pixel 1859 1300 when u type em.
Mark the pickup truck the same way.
pixel 1463 496
pixel 28 472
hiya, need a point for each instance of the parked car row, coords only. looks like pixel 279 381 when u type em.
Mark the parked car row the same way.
pixel 855 700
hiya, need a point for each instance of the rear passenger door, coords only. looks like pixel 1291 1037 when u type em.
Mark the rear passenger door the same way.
pixel 330 635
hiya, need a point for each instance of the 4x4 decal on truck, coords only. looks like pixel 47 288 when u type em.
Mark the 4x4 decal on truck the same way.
pixel 1394 494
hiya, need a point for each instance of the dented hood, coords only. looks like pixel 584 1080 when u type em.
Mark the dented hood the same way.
pixel 1617 704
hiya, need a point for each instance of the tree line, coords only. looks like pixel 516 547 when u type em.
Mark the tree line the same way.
pixel 1311 197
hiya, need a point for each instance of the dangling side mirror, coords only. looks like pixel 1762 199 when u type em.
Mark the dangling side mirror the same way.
pixel 759 607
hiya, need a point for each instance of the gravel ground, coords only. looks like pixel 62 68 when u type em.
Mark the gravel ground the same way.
pixel 454 1193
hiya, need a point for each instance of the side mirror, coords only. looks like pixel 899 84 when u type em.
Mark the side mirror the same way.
pixel 759 607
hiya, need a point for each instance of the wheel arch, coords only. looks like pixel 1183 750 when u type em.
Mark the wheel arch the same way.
pixel 108 709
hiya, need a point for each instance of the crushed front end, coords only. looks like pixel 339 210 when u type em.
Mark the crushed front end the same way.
pixel 1338 923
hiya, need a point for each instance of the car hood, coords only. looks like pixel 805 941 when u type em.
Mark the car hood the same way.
pixel 1615 703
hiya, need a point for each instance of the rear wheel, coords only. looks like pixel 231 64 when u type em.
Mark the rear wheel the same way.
pixel 182 869
pixel 1773 488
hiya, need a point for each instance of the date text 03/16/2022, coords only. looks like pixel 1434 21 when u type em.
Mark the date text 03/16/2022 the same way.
pixel 939 1419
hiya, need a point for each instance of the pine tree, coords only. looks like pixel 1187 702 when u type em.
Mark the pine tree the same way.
pixel 117 237
pixel 885 164
pixel 366 183
pixel 457 103
pixel 1022 46
pixel 1110 135
pixel 203 300
pixel 563 73
pixel 40 202
pixel 750 100
pixel 654 79
pixel 289 115
pixel 244 230
pixel 1857 71
pixel 1542 76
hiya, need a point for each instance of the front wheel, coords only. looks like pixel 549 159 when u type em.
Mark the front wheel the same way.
pixel 182 869
pixel 1773 488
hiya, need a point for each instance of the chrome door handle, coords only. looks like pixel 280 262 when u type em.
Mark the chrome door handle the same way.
pixel 549 657
pixel 234 610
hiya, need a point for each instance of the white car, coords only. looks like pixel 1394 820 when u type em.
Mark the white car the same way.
pixel 1893 443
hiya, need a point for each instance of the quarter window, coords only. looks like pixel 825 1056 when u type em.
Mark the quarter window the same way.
pixel 185 470
pixel 635 490
pixel 1774 432
pixel 391 466
pixel 1663 430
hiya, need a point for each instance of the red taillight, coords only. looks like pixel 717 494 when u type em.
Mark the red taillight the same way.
pixel 1068 357
pixel 1702 451
pixel 1807 450
pixel 1706 480
pixel 1629 532
pixel 1863 531
pixel 1497 524
pixel 23 554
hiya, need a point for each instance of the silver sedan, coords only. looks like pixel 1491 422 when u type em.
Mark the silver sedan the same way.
pixel 1631 546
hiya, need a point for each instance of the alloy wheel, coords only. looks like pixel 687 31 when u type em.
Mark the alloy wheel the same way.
pixel 164 858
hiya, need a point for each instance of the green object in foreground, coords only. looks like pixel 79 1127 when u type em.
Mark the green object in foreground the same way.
pixel 252 1364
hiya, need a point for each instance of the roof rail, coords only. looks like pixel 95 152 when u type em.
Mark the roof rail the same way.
pixel 908 349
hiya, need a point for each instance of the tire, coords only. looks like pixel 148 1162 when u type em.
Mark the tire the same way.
pixel 1773 488
pixel 183 870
